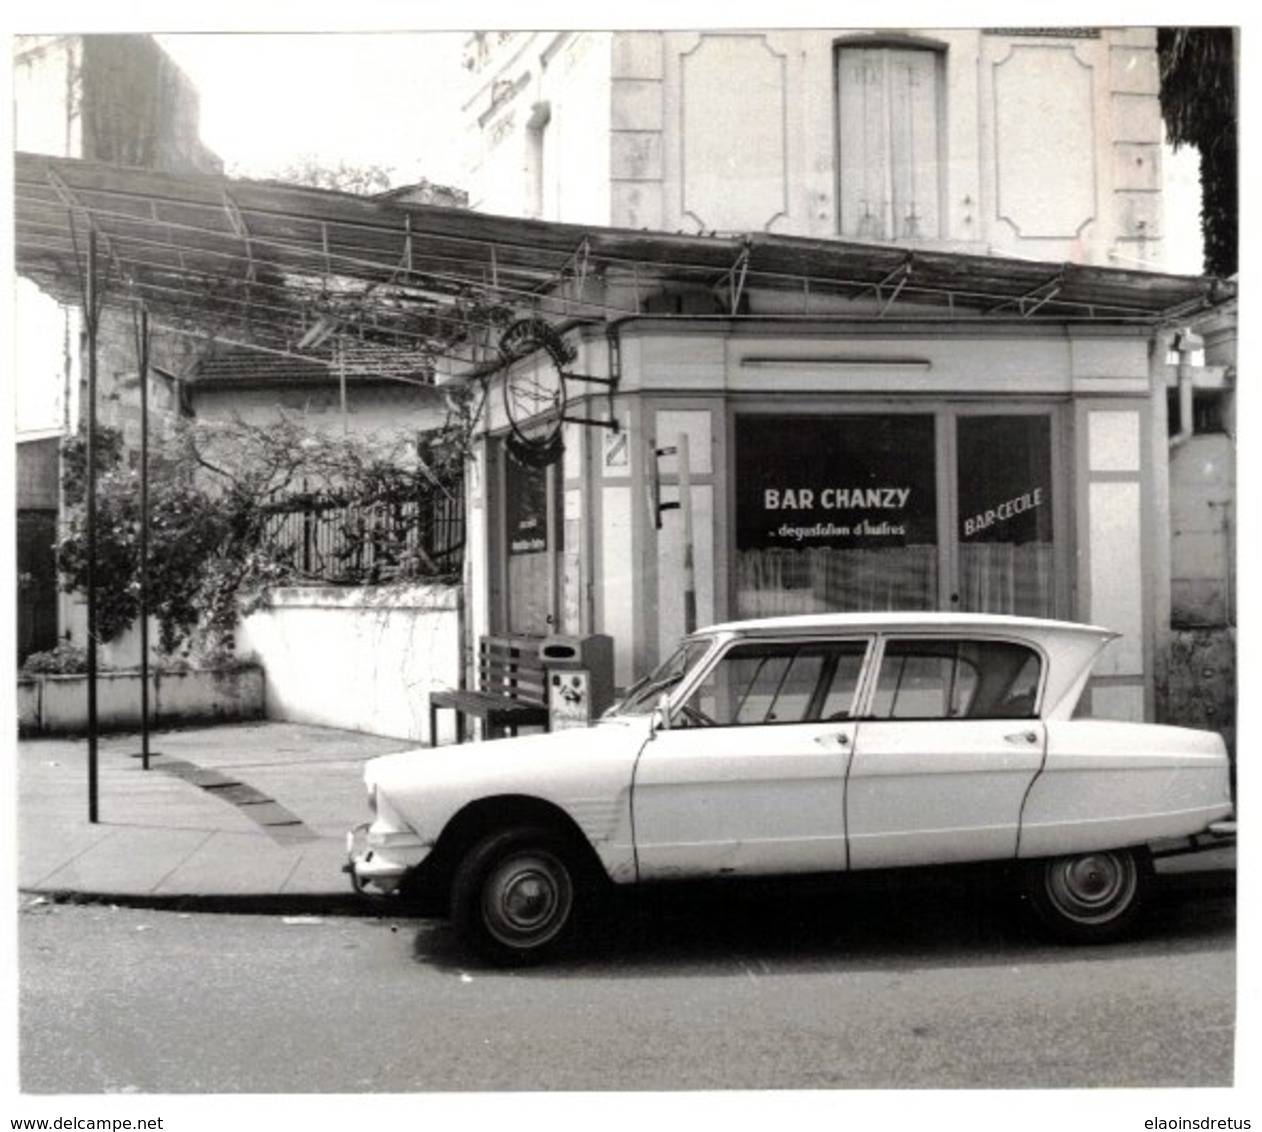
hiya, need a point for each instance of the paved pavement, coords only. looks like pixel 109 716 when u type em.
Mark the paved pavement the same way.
pixel 230 817
pixel 245 817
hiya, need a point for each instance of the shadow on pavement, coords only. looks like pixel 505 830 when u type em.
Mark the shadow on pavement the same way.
pixel 851 925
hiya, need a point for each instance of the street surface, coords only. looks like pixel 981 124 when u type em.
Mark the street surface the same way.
pixel 917 988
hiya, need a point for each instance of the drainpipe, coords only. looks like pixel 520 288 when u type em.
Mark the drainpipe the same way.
pixel 1188 343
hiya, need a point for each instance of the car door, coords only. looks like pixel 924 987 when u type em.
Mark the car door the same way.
pixel 947 749
pixel 750 776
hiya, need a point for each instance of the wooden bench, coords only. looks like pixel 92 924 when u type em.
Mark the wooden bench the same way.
pixel 512 690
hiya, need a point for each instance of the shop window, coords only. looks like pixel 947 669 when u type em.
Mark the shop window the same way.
pixel 889 137
pixel 842 513
pixel 1007 560
pixel 835 513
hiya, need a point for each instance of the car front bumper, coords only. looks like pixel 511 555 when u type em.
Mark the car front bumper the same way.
pixel 377 861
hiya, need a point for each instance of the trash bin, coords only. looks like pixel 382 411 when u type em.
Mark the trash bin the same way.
pixel 579 678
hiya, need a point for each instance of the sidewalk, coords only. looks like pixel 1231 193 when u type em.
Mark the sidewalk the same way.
pixel 241 817
pixel 249 816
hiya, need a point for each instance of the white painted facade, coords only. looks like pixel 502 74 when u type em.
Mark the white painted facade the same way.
pixel 621 575
pixel 358 659
pixel 1047 146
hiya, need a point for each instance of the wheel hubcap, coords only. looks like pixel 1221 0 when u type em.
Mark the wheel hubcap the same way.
pixel 527 900
pixel 1093 887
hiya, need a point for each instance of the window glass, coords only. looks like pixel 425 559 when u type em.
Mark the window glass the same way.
pixel 841 688
pixel 957 680
pixel 531 511
pixel 835 513
pixel 777 683
pixel 1005 486
pixel 642 697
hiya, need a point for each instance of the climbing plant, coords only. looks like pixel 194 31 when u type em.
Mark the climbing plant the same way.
pixel 214 490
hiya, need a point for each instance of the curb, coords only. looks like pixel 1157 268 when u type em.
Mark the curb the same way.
pixel 379 907
pixel 245 904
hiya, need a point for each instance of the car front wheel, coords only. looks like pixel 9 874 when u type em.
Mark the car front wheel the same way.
pixel 515 896
pixel 1089 897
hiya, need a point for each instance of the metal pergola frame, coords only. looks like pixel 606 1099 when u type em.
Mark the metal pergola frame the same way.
pixel 407 290
pixel 296 271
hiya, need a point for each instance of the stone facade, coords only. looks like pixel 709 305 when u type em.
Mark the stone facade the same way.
pixel 1046 144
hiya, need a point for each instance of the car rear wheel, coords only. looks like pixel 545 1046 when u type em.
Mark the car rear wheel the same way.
pixel 515 896
pixel 1089 897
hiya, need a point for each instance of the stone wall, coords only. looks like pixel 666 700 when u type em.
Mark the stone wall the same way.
pixel 1197 686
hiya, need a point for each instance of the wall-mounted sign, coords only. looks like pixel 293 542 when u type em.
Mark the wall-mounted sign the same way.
pixel 838 481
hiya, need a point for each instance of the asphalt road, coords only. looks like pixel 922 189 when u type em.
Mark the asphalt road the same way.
pixel 918 989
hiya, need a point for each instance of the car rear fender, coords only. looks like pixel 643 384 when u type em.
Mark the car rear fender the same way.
pixel 1110 784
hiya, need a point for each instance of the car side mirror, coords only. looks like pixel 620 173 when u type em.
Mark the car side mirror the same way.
pixel 661 713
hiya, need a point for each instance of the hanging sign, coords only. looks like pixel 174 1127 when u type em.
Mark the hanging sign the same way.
pixel 536 357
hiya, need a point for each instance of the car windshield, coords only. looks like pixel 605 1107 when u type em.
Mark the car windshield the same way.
pixel 643 695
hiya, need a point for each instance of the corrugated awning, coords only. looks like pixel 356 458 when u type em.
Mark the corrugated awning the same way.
pixel 304 271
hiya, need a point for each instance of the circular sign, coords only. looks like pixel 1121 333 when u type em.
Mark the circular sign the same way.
pixel 535 393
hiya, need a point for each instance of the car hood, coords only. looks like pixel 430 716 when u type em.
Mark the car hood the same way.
pixel 507 759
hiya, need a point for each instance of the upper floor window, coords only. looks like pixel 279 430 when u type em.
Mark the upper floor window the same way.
pixel 889 138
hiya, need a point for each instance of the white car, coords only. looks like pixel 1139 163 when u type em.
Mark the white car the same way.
pixel 803 745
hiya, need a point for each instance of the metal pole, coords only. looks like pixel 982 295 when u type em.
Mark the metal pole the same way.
pixel 91 320
pixel 685 507
pixel 143 364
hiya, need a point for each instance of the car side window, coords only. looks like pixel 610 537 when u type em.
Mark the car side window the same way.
pixel 777 682
pixel 957 679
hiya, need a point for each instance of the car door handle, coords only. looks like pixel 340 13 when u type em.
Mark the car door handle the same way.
pixel 1022 737
pixel 841 739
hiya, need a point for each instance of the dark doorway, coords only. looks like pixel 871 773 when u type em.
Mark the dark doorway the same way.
pixel 37 582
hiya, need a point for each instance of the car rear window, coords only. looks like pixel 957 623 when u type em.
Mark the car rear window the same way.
pixel 957 679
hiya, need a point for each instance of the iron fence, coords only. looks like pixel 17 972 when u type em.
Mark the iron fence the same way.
pixel 368 541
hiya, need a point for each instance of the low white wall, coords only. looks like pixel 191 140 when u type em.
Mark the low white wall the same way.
pixel 58 705
pixel 363 659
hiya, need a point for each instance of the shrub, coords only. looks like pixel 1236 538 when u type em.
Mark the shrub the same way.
pixel 64 660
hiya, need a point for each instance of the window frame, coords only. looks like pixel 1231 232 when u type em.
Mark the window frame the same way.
pixel 938 50
pixel 946 412
pixel 876 661
pixel 793 647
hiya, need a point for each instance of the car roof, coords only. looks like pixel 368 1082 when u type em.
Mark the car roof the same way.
pixel 901 622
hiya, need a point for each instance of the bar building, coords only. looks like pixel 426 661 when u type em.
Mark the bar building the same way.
pixel 901 334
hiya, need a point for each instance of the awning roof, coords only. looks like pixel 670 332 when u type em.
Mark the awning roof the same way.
pixel 297 270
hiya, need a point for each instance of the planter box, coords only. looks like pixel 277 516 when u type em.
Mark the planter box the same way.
pixel 58 705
